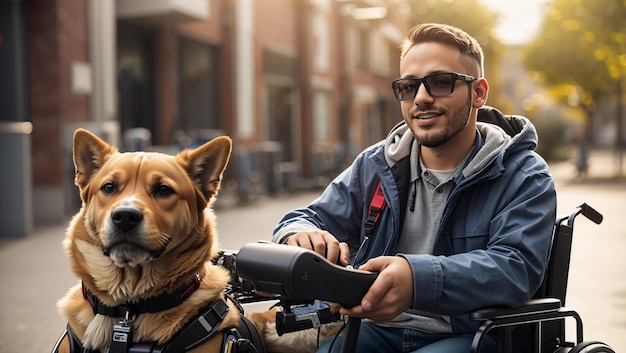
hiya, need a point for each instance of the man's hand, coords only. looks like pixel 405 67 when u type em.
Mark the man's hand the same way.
pixel 322 243
pixel 390 294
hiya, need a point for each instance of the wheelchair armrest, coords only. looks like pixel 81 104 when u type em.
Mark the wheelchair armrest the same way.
pixel 531 307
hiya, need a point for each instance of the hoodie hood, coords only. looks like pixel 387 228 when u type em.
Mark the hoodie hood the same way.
pixel 494 141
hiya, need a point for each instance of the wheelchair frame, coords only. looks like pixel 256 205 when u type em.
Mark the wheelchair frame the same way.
pixel 546 312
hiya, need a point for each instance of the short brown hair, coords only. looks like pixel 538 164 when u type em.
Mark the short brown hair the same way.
pixel 445 34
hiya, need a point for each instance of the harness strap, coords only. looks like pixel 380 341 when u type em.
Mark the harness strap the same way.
pixel 76 346
pixel 200 329
pixel 203 327
pixel 247 330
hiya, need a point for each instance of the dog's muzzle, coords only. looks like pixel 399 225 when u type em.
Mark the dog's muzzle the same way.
pixel 126 220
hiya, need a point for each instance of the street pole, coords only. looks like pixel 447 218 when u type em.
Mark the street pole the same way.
pixel 619 112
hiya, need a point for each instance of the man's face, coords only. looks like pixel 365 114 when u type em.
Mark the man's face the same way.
pixel 437 120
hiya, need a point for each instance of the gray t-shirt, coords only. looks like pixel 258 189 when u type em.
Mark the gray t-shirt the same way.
pixel 427 199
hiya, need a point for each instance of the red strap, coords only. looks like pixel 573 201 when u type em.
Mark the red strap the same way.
pixel 376 207
pixel 378 202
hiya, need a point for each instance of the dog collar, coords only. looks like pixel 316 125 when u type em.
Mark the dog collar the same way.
pixel 151 305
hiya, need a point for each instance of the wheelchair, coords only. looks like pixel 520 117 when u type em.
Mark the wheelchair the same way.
pixel 543 317
pixel 300 276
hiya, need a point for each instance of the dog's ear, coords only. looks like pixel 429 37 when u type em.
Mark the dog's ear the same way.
pixel 205 165
pixel 90 153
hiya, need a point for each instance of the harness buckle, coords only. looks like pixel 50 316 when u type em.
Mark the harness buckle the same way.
pixel 122 334
pixel 234 343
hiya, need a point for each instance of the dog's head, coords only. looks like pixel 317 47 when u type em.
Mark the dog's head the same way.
pixel 138 205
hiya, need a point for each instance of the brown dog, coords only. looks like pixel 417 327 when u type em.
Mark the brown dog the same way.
pixel 141 245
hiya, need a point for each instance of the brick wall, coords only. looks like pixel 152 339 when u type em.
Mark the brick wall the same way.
pixel 57 36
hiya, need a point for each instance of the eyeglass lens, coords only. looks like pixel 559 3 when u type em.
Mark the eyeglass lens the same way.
pixel 437 85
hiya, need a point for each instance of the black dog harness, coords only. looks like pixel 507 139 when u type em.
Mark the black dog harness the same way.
pixel 197 331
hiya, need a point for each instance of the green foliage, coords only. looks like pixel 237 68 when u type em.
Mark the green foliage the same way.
pixel 552 134
pixel 469 15
pixel 579 52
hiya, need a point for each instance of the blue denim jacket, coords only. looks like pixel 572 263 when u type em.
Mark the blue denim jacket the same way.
pixel 493 239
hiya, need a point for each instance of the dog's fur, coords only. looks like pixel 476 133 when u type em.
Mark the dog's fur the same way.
pixel 303 341
pixel 174 239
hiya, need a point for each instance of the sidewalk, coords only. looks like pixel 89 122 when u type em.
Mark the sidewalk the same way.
pixel 35 272
pixel 602 168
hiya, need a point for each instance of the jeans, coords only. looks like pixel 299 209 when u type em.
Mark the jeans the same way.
pixel 373 338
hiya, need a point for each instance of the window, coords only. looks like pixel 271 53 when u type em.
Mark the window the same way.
pixel 198 95
pixel 321 116
pixel 362 45
pixel 320 41
pixel 380 61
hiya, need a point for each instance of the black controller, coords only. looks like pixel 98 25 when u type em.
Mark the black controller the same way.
pixel 301 275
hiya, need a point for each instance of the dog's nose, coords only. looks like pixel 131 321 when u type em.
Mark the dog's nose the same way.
pixel 126 218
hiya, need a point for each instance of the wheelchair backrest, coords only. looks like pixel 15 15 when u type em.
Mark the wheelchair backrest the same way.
pixel 554 284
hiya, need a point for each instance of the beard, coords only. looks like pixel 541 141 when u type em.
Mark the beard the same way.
pixel 457 122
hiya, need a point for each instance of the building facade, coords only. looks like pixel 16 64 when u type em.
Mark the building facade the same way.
pixel 299 85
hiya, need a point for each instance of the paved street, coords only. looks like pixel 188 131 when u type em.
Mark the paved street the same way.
pixel 34 271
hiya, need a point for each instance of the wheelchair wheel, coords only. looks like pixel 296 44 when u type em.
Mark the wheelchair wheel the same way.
pixel 591 347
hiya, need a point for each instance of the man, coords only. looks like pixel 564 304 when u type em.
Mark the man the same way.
pixel 469 208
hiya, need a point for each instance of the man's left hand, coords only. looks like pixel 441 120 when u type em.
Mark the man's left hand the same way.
pixel 390 294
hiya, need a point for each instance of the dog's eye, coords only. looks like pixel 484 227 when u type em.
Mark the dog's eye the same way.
pixel 109 188
pixel 163 190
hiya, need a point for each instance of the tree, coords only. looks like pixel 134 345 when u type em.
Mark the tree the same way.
pixel 579 54
pixel 609 18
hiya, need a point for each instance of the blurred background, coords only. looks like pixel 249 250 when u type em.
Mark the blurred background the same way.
pixel 300 85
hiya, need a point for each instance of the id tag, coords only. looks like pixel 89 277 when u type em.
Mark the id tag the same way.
pixel 122 338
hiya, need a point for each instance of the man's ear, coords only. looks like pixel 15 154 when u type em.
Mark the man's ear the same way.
pixel 481 92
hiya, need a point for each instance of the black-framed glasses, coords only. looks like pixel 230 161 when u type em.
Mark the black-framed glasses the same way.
pixel 439 84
